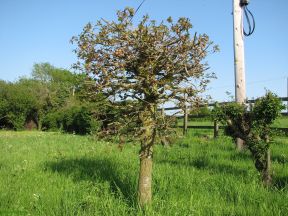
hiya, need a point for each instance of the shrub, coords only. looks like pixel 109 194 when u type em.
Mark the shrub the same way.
pixel 252 126
pixel 79 120
pixel 52 121
pixel 76 119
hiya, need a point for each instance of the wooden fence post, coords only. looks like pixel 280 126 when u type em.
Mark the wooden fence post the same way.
pixel 216 129
pixel 185 120
pixel 185 125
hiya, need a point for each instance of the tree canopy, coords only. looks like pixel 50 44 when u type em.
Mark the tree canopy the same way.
pixel 150 63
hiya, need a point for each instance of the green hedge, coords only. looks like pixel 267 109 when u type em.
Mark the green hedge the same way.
pixel 76 119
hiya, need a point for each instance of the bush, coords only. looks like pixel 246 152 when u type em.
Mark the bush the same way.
pixel 253 127
pixel 52 121
pixel 74 119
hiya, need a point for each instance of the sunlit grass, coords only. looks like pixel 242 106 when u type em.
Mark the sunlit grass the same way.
pixel 60 174
pixel 281 122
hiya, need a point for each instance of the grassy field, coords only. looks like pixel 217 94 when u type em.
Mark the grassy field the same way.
pixel 281 122
pixel 60 174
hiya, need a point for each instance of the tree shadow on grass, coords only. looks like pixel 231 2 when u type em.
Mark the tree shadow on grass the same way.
pixel 280 182
pixel 241 156
pixel 203 163
pixel 282 159
pixel 97 170
pixel 218 168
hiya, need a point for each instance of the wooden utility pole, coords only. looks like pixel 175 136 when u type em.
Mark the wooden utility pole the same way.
pixel 239 64
pixel 216 129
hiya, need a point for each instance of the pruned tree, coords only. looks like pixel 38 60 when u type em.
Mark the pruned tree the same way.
pixel 253 126
pixel 150 63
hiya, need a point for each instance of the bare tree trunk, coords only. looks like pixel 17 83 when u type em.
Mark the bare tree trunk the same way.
pixel 145 180
pixel 146 154
pixel 185 120
pixel 266 173
pixel 240 144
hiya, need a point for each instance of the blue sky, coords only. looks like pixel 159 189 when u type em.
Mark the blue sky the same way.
pixel 34 31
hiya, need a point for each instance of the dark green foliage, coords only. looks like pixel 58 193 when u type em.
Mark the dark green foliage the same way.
pixel 252 126
pixel 267 109
pixel 38 100
pixel 79 120
pixel 52 121
pixel 73 118
pixel 59 84
pixel 55 99
pixel 17 104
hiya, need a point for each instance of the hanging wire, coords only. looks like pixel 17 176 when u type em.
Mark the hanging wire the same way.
pixel 249 17
pixel 137 9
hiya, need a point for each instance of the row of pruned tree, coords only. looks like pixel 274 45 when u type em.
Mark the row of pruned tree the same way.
pixel 151 64
pixel 127 72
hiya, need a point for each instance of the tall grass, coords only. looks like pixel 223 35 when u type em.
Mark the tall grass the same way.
pixel 60 174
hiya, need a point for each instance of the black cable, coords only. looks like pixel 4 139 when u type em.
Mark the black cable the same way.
pixel 137 9
pixel 248 16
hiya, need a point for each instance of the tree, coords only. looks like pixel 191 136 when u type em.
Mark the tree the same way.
pixel 45 72
pixel 150 63
pixel 54 87
pixel 27 101
pixel 16 105
pixel 38 93
pixel 252 126
pixel 4 104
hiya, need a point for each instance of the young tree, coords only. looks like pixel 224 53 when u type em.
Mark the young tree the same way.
pixel 252 126
pixel 151 63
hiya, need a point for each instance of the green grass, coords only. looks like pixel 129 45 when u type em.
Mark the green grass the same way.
pixel 60 174
pixel 281 122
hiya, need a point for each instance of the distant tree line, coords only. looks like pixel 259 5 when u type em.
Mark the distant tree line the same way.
pixel 55 99
pixel 52 99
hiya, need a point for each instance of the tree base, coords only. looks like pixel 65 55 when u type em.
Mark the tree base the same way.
pixel 240 144
pixel 145 182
